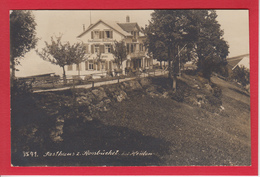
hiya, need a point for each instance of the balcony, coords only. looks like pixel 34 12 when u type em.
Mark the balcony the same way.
pixel 137 54
pixel 101 40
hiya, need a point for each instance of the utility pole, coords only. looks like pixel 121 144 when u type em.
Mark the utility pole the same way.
pixel 90 17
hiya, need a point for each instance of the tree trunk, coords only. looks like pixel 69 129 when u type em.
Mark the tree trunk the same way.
pixel 78 70
pixel 174 82
pixel 64 75
pixel 12 71
pixel 169 62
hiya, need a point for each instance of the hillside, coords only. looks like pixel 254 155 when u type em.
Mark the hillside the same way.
pixel 136 123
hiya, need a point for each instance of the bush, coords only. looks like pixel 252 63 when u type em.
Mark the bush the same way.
pixel 217 92
pixel 213 101
pixel 241 75
pixel 21 87
pixel 178 95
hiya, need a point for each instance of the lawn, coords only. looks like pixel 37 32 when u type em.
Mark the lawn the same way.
pixel 143 130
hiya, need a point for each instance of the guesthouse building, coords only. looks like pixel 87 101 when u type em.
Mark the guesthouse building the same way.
pixel 99 39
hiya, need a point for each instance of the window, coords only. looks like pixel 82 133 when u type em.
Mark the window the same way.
pixel 108 34
pixel 96 49
pixel 96 34
pixel 102 66
pixel 133 48
pixel 107 48
pixel 135 34
pixel 127 48
pixel 70 68
pixel 90 65
pixel 141 47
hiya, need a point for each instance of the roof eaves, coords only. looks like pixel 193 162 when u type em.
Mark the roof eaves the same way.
pixel 91 26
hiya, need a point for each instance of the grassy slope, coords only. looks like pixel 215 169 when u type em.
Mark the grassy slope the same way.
pixel 176 133
pixel 196 136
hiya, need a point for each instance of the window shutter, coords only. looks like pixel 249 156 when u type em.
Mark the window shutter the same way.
pixel 92 48
pixel 111 34
pixel 94 66
pixel 103 34
pixel 92 35
pixel 86 45
pixel 102 49
pixel 106 66
pixel 98 66
pixel 86 65
pixel 99 34
pixel 110 65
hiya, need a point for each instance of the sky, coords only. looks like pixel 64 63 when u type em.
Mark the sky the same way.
pixel 69 24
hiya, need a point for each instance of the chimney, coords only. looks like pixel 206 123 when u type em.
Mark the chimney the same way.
pixel 84 27
pixel 127 19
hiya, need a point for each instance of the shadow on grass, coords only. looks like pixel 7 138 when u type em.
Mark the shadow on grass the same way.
pixel 240 92
pixel 79 137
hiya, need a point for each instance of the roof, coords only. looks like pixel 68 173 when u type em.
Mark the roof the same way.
pixel 244 62
pixel 40 75
pixel 233 61
pixel 128 27
pixel 110 24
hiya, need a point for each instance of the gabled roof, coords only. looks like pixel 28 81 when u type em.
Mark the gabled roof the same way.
pixel 232 62
pixel 128 27
pixel 110 24
pixel 244 62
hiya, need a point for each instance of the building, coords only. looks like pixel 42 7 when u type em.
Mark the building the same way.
pixel 99 39
pixel 243 62
pixel 234 61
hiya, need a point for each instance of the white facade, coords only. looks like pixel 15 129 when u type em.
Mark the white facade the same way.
pixel 99 40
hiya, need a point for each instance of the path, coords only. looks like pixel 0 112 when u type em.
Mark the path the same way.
pixel 98 84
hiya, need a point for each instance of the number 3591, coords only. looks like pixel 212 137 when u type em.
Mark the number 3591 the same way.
pixel 30 154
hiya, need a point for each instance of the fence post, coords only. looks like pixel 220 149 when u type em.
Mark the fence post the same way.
pixel 53 82
pixel 73 83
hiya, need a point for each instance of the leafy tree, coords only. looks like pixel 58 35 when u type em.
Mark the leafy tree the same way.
pixel 180 35
pixel 77 53
pixel 22 36
pixel 62 54
pixel 119 52
pixel 211 48
pixel 242 75
pixel 167 31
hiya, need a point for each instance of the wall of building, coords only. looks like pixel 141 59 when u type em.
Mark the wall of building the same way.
pixel 86 38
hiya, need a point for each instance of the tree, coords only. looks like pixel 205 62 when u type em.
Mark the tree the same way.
pixel 211 48
pixel 62 54
pixel 119 52
pixel 167 31
pixel 22 36
pixel 77 53
pixel 192 32
pixel 242 75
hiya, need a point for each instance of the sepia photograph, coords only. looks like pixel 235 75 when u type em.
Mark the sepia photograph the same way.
pixel 162 87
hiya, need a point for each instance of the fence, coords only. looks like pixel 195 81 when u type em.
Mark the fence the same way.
pixel 76 82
